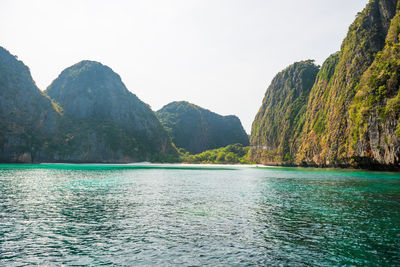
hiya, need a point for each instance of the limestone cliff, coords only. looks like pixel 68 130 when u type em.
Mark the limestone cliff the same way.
pixel 351 117
pixel 102 120
pixel 277 126
pixel 27 116
pixel 329 111
pixel 375 110
pixel 196 129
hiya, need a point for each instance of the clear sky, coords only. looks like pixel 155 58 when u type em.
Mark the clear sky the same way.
pixel 218 54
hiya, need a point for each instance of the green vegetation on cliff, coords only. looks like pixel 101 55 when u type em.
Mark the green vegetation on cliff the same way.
pixel 316 119
pixel 279 121
pixel 365 38
pixel 102 120
pixel 329 142
pixel 95 119
pixel 375 110
pixel 27 116
pixel 346 113
pixel 352 112
pixel 196 129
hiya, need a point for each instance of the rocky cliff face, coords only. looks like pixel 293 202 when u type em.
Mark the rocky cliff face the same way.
pixel 102 120
pixel 316 119
pixel 375 110
pixel 365 38
pixel 27 116
pixel 351 116
pixel 278 123
pixel 196 129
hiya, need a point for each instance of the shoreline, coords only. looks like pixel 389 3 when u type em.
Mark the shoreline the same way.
pixel 204 166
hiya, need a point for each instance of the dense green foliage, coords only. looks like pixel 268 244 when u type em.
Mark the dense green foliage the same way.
pixel 231 154
pixel 378 91
pixel 352 113
pixel 335 144
pixel 316 120
pixel 196 129
pixel 327 143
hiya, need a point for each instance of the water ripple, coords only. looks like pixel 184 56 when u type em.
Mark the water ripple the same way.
pixel 172 216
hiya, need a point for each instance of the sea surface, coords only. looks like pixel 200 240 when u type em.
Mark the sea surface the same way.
pixel 133 215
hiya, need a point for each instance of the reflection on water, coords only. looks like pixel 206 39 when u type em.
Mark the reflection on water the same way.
pixel 231 216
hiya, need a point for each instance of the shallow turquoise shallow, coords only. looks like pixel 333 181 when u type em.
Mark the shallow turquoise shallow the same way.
pixel 193 215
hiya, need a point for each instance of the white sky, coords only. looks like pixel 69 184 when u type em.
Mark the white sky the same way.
pixel 218 54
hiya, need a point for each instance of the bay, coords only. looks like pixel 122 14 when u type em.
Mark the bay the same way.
pixel 54 214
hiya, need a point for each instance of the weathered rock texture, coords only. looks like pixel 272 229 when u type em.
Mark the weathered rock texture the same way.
pixel 27 116
pixel 352 112
pixel 196 129
pixel 375 110
pixel 87 116
pixel 278 123
pixel 102 120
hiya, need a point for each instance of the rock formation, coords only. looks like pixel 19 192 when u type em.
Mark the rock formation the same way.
pixel 27 116
pixel 102 120
pixel 196 129
pixel 351 117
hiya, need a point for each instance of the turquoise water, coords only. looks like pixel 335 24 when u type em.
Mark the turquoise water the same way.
pixel 171 215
